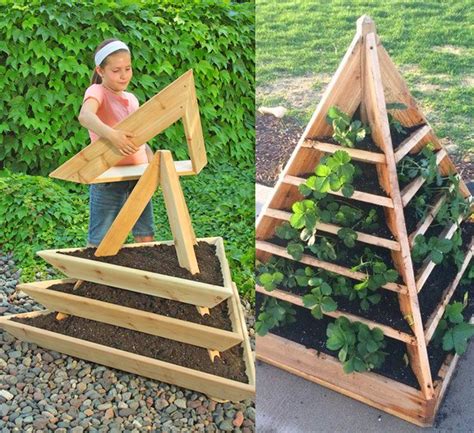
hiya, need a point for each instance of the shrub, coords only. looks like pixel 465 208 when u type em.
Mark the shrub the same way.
pixel 46 51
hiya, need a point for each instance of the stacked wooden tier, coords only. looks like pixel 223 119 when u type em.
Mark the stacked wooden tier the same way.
pixel 178 289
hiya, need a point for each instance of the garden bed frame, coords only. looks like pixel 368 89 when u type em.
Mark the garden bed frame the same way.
pixel 96 163
pixel 212 385
pixel 367 78
pixel 163 286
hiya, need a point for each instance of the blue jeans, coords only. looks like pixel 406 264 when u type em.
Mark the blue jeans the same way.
pixel 106 200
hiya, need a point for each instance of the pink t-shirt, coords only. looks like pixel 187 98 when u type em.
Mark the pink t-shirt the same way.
pixel 113 109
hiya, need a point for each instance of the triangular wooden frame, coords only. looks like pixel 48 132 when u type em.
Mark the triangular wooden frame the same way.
pixel 96 162
pixel 368 79
pixel 161 171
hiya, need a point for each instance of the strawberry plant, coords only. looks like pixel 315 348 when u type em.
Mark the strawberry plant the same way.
pixel 359 348
pixel 346 132
pixel 394 124
pixel 452 331
pixel 319 299
pixel 274 313
pixel 454 206
pixel 434 248
pixel 334 173
pixel 377 275
pixel 423 164
pixel 305 218
pixel 269 280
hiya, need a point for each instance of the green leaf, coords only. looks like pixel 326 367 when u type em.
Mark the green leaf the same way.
pixel 322 170
pixel 436 256
pixel 328 304
pixel 347 190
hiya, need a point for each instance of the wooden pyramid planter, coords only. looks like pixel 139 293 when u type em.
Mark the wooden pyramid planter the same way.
pixel 146 330
pixel 365 87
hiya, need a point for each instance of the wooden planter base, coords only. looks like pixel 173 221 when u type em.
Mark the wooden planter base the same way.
pixel 373 389
pixel 213 386
pixel 137 320
pixel 164 286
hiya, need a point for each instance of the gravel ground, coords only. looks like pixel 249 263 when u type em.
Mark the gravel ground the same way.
pixel 42 391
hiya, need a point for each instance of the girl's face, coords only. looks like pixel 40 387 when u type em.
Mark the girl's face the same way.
pixel 117 72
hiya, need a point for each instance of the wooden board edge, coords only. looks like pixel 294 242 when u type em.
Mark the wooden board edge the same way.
pixel 248 353
pixel 206 383
pixel 134 319
pixel 368 387
pixel 298 300
pixel 193 292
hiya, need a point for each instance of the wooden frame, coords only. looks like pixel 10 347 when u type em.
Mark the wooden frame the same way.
pixel 370 388
pixel 136 320
pixel 365 78
pixel 177 101
pixel 214 386
pixel 179 289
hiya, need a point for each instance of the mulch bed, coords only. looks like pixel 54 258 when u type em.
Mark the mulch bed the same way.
pixel 218 317
pixel 275 141
pixel 162 259
pixel 231 364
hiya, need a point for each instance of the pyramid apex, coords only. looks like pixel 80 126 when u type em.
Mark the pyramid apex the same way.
pixel 365 25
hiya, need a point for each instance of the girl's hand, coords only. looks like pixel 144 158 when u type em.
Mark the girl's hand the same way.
pixel 122 140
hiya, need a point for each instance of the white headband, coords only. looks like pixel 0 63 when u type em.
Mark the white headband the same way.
pixel 109 49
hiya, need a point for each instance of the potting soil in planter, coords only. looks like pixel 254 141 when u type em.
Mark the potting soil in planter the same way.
pixel 231 364
pixel 162 259
pixel 311 333
pixel 218 317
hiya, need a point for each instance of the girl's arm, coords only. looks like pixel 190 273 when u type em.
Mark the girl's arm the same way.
pixel 120 139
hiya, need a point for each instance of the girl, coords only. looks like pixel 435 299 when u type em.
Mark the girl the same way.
pixel 105 104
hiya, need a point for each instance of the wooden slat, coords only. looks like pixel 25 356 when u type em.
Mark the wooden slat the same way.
pixel 433 321
pixel 248 354
pixel 429 265
pixel 374 98
pixel 332 228
pixel 164 286
pixel 131 210
pixel 370 388
pixel 298 300
pixel 131 318
pixel 331 267
pixel 356 154
pixel 174 102
pixel 412 188
pixel 178 214
pixel 133 172
pixel 424 225
pixel 358 195
pixel 148 367
pixel 410 142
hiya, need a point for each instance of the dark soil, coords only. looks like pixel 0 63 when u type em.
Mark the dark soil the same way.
pixel 311 333
pixel 275 141
pixel 398 138
pixel 230 365
pixel 162 259
pixel 218 317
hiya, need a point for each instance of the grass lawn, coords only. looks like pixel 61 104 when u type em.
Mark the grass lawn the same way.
pixel 300 44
